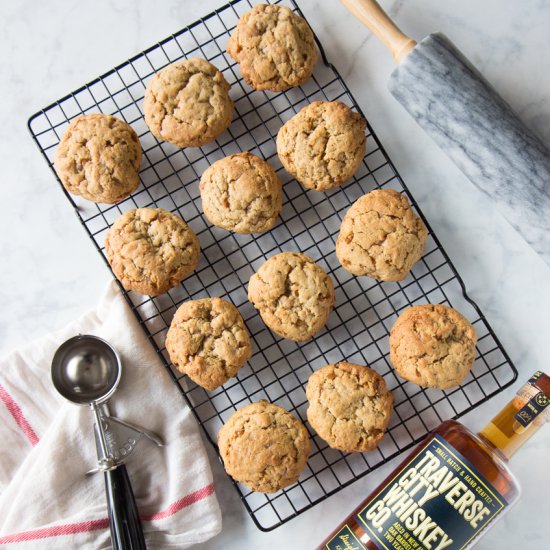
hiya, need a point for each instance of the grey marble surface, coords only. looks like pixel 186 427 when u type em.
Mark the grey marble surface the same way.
pixel 458 108
pixel 51 272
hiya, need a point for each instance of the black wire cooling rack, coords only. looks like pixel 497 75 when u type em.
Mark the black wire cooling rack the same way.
pixel 365 309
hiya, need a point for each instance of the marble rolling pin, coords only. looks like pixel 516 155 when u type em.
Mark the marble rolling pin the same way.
pixel 470 122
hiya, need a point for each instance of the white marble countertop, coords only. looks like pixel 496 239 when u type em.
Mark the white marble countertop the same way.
pixel 51 274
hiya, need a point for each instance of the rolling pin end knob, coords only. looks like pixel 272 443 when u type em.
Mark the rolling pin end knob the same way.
pixel 404 50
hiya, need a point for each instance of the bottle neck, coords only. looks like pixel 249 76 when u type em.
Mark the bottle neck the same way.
pixel 521 418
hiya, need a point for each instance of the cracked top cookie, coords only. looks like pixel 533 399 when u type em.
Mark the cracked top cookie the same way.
pixel 98 158
pixel 264 446
pixel 187 103
pixel 241 193
pixel 433 346
pixel 293 295
pixel 381 236
pixel 151 250
pixel 274 47
pixel 323 145
pixel 349 406
pixel 208 341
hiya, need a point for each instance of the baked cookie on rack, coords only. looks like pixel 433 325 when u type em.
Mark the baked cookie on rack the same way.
pixel 151 250
pixel 188 103
pixel 264 446
pixel 274 47
pixel 349 406
pixel 433 345
pixel 323 145
pixel 98 158
pixel 241 193
pixel 381 236
pixel 208 341
pixel 293 295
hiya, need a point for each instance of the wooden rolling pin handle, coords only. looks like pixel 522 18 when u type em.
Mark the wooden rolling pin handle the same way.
pixel 377 21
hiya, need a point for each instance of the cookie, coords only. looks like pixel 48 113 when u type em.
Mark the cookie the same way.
pixel 98 158
pixel 381 236
pixel 187 103
pixel 433 346
pixel 151 250
pixel 293 295
pixel 323 145
pixel 274 47
pixel 349 406
pixel 264 446
pixel 208 341
pixel 241 193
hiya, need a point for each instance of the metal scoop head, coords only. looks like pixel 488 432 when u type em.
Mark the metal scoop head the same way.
pixel 86 370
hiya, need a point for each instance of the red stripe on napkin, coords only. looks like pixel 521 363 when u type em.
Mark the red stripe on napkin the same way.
pixel 187 500
pixel 86 526
pixel 56 531
pixel 18 416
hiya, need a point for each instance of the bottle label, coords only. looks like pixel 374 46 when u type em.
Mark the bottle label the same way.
pixel 536 403
pixel 345 539
pixel 438 500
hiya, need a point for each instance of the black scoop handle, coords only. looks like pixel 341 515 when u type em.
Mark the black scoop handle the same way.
pixel 126 533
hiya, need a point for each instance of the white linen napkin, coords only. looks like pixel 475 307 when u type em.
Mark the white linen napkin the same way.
pixel 47 444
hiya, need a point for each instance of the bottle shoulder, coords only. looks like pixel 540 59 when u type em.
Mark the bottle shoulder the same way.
pixel 487 460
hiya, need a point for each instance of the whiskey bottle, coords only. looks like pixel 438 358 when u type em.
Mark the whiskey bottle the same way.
pixel 452 487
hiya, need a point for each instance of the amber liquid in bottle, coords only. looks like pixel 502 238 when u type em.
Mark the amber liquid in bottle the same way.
pixel 488 452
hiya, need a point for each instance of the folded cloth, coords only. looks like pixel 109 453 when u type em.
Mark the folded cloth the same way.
pixel 47 444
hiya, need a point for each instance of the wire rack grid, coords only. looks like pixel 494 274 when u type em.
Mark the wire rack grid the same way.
pixel 365 309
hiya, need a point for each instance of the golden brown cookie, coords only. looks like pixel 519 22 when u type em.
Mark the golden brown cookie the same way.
pixel 323 145
pixel 208 341
pixel 349 406
pixel 274 47
pixel 98 158
pixel 187 103
pixel 293 295
pixel 241 193
pixel 264 446
pixel 433 346
pixel 151 250
pixel 381 236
